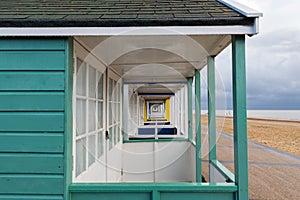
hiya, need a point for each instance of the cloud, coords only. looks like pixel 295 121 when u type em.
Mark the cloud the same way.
pixel 273 59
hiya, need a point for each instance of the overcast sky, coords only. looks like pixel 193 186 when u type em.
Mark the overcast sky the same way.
pixel 273 58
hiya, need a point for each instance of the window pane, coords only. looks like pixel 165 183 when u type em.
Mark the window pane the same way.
pixel 119 92
pixel 115 135
pixel 100 115
pixel 81 78
pixel 80 116
pixel 115 90
pixel 100 144
pixel 100 86
pixel 119 115
pixel 80 156
pixel 92 149
pixel 92 82
pixel 92 116
pixel 110 113
pixel 110 85
pixel 110 138
pixel 118 133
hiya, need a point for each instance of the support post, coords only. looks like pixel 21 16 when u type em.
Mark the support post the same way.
pixel 211 115
pixel 198 125
pixel 240 116
pixel 190 108
pixel 124 111
pixel 211 108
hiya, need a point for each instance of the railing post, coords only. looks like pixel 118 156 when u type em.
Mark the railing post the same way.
pixel 240 116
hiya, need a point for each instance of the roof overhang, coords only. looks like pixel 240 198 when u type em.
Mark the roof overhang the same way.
pixel 246 23
pixel 112 31
pixel 242 9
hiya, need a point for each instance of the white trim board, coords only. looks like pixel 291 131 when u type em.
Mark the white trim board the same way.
pixel 241 8
pixel 110 31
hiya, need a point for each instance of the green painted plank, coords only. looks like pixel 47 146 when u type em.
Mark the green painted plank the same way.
pixel 12 163
pixel 32 44
pixel 111 196
pixel 240 115
pixel 198 125
pixel 31 197
pixel 32 81
pixel 196 196
pixel 32 60
pixel 149 187
pixel 211 108
pixel 31 121
pixel 68 158
pixel 155 195
pixel 31 184
pixel 31 101
pixel 32 142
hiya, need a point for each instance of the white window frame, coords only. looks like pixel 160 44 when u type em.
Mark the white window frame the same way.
pixel 91 62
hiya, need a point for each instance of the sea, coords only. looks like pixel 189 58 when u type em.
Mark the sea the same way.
pixel 275 114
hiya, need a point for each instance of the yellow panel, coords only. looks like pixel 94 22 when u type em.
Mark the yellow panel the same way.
pixel 168 109
pixel 145 111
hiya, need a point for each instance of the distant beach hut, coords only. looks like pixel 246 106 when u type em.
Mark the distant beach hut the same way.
pixel 96 98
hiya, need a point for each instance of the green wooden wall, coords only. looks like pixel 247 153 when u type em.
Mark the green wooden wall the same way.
pixel 33 117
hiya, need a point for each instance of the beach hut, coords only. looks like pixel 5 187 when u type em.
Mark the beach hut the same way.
pixel 96 98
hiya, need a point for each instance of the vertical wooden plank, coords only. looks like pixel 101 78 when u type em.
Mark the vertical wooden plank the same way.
pixel 155 195
pixel 190 108
pixel 198 125
pixel 68 115
pixel 240 116
pixel 211 108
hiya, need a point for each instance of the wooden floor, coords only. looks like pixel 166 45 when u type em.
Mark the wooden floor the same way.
pixel 272 174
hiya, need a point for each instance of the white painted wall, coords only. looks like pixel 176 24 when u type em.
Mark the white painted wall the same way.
pixel 144 162
pixel 138 162
pixel 159 162
pixel 114 163
pixel 173 162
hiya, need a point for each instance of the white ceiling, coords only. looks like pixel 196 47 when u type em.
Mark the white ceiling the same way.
pixel 166 60
pixel 148 59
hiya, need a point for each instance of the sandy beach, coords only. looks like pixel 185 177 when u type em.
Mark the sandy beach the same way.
pixel 282 134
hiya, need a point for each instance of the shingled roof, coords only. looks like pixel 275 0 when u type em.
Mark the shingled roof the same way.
pixel 115 13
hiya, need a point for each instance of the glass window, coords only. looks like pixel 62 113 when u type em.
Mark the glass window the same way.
pixel 92 82
pixel 80 116
pixel 100 143
pixel 110 85
pixel 100 86
pixel 110 114
pixel 89 142
pixel 80 156
pixel 81 78
pixel 91 149
pixel 115 135
pixel 100 115
pixel 110 138
pixel 91 110
pixel 92 116
pixel 115 90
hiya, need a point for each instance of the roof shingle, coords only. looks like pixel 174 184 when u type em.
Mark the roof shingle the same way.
pixel 97 13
